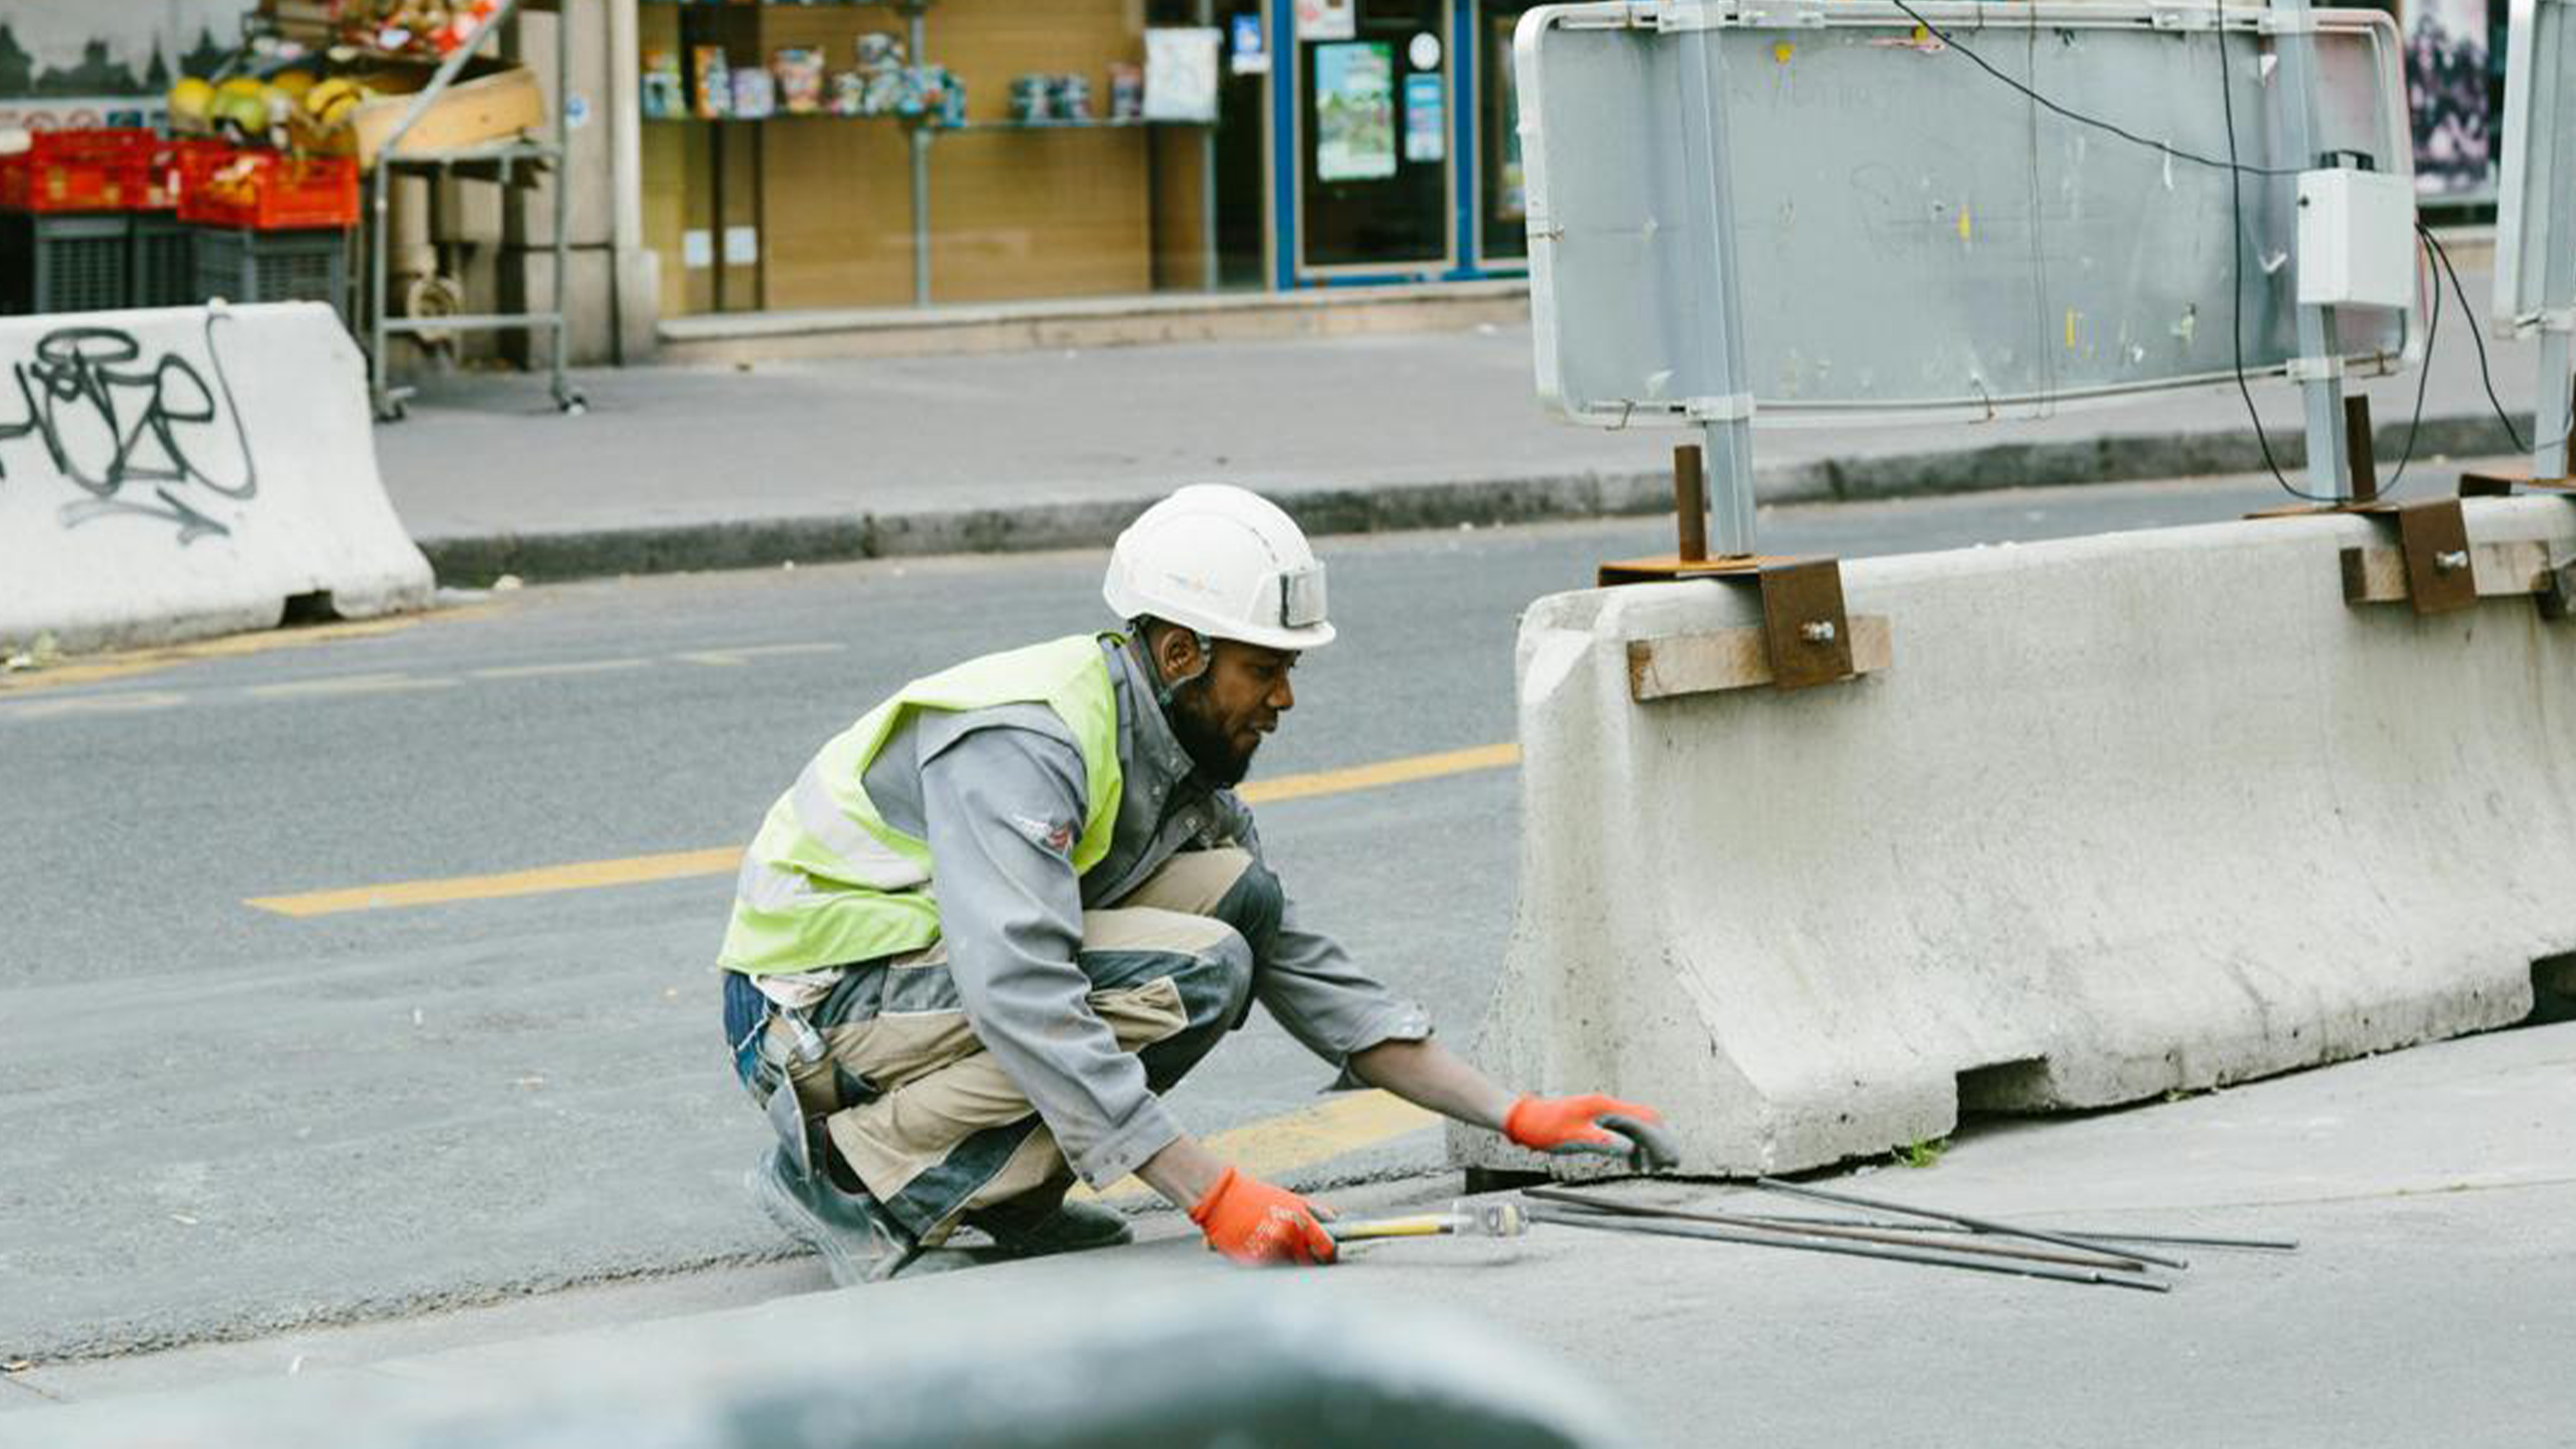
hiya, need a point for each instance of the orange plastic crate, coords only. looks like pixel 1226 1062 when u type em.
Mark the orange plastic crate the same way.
pixel 87 170
pixel 168 173
pixel 267 190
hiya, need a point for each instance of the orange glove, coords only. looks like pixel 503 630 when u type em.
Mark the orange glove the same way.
pixel 1577 1124
pixel 1250 1221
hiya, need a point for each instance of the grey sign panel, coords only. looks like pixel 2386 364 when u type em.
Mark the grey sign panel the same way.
pixel 2536 210
pixel 1913 235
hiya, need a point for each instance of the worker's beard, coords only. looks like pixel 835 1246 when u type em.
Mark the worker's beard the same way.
pixel 1204 739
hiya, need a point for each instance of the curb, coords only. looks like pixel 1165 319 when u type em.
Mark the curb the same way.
pixel 476 560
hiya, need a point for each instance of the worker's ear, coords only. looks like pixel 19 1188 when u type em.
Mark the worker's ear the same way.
pixel 1176 652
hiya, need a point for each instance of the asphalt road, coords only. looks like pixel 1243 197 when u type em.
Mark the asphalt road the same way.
pixel 217 1121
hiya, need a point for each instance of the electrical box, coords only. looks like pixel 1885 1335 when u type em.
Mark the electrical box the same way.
pixel 2356 239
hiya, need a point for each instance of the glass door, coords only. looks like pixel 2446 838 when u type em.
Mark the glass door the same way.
pixel 1375 186
pixel 1502 196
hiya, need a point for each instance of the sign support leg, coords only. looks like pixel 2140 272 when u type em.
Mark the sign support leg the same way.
pixel 2321 381
pixel 1726 420
pixel 2550 418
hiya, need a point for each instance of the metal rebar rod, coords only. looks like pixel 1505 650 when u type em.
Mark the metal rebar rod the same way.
pixel 1662 1228
pixel 1899 1238
pixel 1983 1225
pixel 2269 1245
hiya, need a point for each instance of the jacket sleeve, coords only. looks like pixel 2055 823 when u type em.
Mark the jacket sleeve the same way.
pixel 1004 807
pixel 1310 984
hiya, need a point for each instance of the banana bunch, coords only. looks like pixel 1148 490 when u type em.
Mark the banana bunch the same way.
pixel 327 105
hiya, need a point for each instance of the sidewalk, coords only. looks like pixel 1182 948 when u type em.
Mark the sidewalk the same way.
pixel 700 467
pixel 2433 1193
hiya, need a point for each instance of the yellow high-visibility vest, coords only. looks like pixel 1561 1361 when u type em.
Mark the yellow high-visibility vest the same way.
pixel 828 883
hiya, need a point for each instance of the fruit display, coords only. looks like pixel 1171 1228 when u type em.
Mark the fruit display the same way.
pixel 421 27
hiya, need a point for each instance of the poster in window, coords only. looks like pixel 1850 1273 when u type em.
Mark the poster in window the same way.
pixel 1180 73
pixel 1426 119
pixel 1354 112
pixel 1327 19
pixel 2447 91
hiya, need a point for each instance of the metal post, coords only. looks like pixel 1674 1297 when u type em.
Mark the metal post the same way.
pixel 562 186
pixel 919 31
pixel 2549 419
pixel 1212 264
pixel 1717 325
pixel 2321 376
pixel 379 243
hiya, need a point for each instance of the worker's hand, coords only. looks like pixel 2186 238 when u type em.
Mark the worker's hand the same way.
pixel 1593 1123
pixel 1250 1221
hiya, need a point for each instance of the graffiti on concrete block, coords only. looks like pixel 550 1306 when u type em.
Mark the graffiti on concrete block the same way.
pixel 136 438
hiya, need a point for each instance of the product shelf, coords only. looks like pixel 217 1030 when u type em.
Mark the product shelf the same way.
pixel 501 161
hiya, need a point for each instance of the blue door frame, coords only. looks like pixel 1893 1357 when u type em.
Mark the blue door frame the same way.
pixel 1466 161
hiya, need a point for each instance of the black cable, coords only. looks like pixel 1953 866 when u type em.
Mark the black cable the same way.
pixel 2236 289
pixel 2081 119
pixel 2484 376
pixel 2424 376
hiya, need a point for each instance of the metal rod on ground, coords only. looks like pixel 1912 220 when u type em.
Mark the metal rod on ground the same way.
pixel 2269 1245
pixel 2101 1259
pixel 1606 1223
pixel 1983 1225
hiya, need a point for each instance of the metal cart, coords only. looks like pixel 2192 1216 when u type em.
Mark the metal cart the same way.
pixel 499 161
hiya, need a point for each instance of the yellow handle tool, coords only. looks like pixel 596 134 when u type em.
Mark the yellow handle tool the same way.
pixel 1498 1219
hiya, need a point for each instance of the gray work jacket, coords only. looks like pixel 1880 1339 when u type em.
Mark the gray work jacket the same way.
pixel 996 792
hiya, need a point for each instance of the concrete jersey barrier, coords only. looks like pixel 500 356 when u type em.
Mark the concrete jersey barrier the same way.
pixel 2126 814
pixel 177 473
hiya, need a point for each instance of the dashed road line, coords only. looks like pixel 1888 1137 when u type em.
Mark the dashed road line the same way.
pixel 554 671
pixel 731 658
pixel 138 702
pixel 349 684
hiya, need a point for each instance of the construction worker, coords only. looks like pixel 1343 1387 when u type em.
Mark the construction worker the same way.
pixel 992 920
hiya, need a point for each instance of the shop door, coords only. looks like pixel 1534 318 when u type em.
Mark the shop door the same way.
pixel 1375 189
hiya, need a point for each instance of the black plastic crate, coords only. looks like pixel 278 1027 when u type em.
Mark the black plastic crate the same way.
pixel 63 262
pixel 164 258
pixel 274 266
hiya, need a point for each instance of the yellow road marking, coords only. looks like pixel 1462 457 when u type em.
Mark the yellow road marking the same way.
pixel 638 870
pixel 583 875
pixel 1385 772
pixel 1348 1122
pixel 99 669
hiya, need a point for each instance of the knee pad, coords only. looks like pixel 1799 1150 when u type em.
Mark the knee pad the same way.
pixel 1253 906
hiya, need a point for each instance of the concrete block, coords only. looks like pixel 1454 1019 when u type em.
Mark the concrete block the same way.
pixel 2125 814
pixel 177 473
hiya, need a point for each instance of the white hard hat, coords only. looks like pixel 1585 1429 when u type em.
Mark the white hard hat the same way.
pixel 1225 562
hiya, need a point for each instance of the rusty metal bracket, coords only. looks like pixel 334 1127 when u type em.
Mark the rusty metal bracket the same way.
pixel 1806 637
pixel 2433 534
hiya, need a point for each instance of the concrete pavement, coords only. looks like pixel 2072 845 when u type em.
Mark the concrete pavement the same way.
pixel 705 467
pixel 2433 1193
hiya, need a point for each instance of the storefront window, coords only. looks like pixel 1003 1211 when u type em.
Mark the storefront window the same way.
pixel 858 156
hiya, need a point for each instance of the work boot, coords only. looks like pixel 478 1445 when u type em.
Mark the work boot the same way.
pixel 859 1241
pixel 1040 1222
